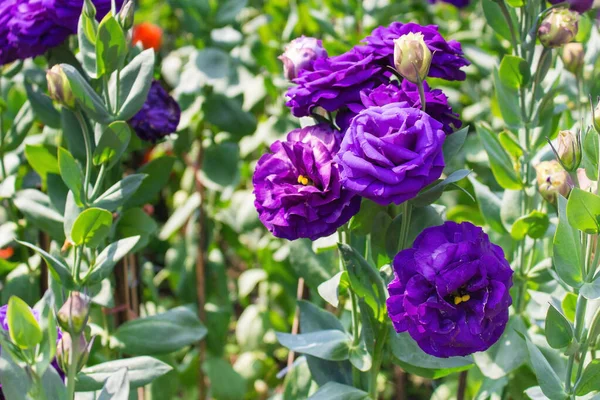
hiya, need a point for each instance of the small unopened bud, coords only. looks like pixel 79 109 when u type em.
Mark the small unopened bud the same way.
pixel 573 56
pixel 412 57
pixel 596 116
pixel 67 354
pixel 59 87
pixel 552 180
pixel 299 54
pixel 126 15
pixel 89 9
pixel 559 27
pixel 569 150
pixel 73 315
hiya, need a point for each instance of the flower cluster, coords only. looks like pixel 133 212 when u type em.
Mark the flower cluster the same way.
pixel 451 290
pixel 28 28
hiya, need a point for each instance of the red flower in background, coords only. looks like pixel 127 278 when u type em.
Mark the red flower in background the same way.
pixel 6 253
pixel 149 35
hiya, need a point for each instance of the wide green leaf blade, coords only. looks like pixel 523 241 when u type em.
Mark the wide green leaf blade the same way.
pixel 23 328
pixel 91 227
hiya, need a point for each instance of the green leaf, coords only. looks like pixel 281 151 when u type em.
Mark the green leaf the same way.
pixel 228 10
pixel 316 319
pixel 249 279
pixel 57 267
pixel 590 150
pixel 508 102
pixel 590 379
pixel 559 331
pixel 549 382
pixel 307 264
pixel 42 106
pixel 566 254
pixel 494 17
pixel 225 382
pixel 23 328
pixel 569 306
pixel 87 29
pixel 227 114
pixel 213 63
pixel 489 205
pixel 86 97
pixel 41 160
pixel 433 192
pixel 331 344
pixel 141 371
pixel 111 47
pixel 71 174
pixel 112 144
pixel 134 85
pixel 116 386
pixel 53 385
pixel 20 127
pixel 329 290
pixel 514 72
pixel 15 380
pixel 135 222
pixel 500 161
pixel 120 192
pixel 534 225
pixel 591 290
pixel 159 172
pixel 365 280
pixel 360 357
pixel 583 211
pixel 454 143
pixel 510 143
pixel 172 330
pixel 337 391
pixel 108 258
pixel 91 227
pixel 181 216
pixel 220 164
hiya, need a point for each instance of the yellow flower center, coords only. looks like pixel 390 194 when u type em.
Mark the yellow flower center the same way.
pixel 461 299
pixel 303 180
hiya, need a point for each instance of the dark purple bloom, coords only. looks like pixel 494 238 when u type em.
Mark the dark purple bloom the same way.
pixel 456 3
pixel 333 82
pixel 297 186
pixel 447 56
pixel 390 153
pixel 29 28
pixel 580 6
pixel 4 326
pixel 451 290
pixel 159 115
pixel 437 103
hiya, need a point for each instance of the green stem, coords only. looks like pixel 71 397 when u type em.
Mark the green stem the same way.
pixel 509 22
pixel 88 153
pixel 405 227
pixel 579 331
pixel 421 87
pixel 72 373
pixel 78 259
pixel 378 359
pixel 99 181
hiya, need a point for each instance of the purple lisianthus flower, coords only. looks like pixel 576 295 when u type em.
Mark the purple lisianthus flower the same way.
pixel 456 3
pixel 451 290
pixel 447 59
pixel 67 12
pixel 297 186
pixel 299 54
pixel 4 326
pixel 158 117
pixel 390 153
pixel 333 82
pixel 436 100
pixel 580 6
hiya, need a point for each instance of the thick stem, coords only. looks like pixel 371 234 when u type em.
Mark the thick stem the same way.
pixel 509 22
pixel 421 87
pixel 377 360
pixel 88 153
pixel 462 386
pixel 296 323
pixel 72 373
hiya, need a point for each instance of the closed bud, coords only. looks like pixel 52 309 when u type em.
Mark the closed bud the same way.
pixel 299 54
pixel 573 56
pixel 552 180
pixel 412 57
pixel 67 354
pixel 126 15
pixel 596 117
pixel 558 28
pixel 89 9
pixel 569 150
pixel 73 315
pixel 59 87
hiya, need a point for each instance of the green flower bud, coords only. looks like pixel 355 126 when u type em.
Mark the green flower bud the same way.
pixel 89 9
pixel 73 315
pixel 59 87
pixel 573 56
pixel 552 180
pixel 558 28
pixel 66 355
pixel 596 117
pixel 569 150
pixel 412 57
pixel 126 15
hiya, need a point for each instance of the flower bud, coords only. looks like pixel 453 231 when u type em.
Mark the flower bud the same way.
pixel 73 315
pixel 126 15
pixel 573 56
pixel 59 87
pixel 66 355
pixel 552 180
pixel 89 9
pixel 558 28
pixel 569 150
pixel 412 57
pixel 596 117
pixel 299 54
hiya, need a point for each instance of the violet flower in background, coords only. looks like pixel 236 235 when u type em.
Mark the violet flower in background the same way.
pixel 451 290
pixel 299 54
pixel 447 59
pixel 456 3
pixel 297 186
pixel 580 6
pixel 159 116
pixel 333 82
pixel 390 153
pixel 437 103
